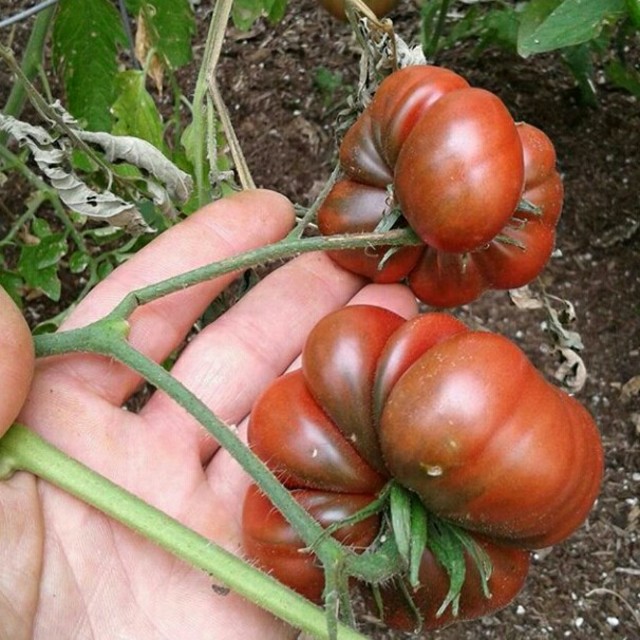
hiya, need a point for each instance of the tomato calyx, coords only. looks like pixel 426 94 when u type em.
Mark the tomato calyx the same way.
pixel 416 530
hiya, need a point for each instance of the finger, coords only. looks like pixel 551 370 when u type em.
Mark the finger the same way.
pixel 220 230
pixel 231 360
pixel 229 364
pixel 16 360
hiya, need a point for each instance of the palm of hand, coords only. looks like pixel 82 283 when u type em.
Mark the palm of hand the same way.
pixel 74 573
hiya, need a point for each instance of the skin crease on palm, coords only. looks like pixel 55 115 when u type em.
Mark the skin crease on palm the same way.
pixel 67 571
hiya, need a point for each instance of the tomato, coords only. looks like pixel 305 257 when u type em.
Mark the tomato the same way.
pixel 379 7
pixel 374 148
pixel 518 253
pixel 459 417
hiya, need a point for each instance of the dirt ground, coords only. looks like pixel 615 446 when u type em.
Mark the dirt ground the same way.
pixel 589 586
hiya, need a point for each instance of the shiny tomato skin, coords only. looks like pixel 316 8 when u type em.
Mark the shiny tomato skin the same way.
pixel 460 173
pixel 464 428
pixel 370 147
pixel 339 363
pixel 402 99
pixel 301 445
pixel 442 279
pixel 517 254
pixel 360 158
pixel 351 207
pixel 525 244
pixel 379 7
pixel 408 343
pixel 510 568
pixel 270 541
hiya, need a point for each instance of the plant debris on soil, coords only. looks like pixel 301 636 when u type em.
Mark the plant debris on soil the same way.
pixel 285 85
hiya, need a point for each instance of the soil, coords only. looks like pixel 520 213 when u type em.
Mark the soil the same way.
pixel 589 586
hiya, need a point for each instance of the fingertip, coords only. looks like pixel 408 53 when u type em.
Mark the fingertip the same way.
pixel 267 207
pixel 395 297
pixel 17 360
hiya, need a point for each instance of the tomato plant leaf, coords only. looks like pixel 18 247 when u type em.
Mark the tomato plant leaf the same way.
pixel 85 41
pixel 548 24
pixel 624 76
pixel 170 26
pixel 134 109
pixel 245 12
pixel 38 264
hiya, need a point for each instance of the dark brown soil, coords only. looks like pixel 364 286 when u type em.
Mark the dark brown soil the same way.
pixel 588 587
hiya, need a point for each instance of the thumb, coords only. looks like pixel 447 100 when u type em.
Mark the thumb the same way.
pixel 16 361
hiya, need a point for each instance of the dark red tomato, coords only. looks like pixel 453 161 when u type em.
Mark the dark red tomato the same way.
pixel 379 7
pixel 510 568
pixel 460 417
pixel 486 442
pixel 460 168
pixel 272 543
pixel 351 207
pixel 460 173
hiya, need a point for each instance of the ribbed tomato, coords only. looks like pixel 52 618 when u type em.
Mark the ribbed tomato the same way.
pixel 461 418
pixel 460 170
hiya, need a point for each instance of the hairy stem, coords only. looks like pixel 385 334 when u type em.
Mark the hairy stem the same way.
pixel 283 249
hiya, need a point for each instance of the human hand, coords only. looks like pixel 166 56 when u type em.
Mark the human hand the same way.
pixel 67 571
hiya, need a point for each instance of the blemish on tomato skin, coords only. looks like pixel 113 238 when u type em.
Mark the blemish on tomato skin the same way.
pixel 432 470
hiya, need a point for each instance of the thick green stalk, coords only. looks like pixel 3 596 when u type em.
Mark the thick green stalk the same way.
pixel 21 449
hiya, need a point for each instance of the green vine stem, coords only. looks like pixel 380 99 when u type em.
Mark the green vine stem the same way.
pixel 31 61
pixel 286 248
pixel 23 450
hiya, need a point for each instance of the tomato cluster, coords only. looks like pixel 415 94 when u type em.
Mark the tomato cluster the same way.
pixel 460 418
pixel 481 191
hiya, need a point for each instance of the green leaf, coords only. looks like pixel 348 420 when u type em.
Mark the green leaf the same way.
pixel 275 9
pixel 86 36
pixel 38 265
pixel 78 261
pixel 13 284
pixel 549 24
pixel 624 76
pixel 245 12
pixel 579 59
pixel 134 109
pixel 400 510
pixel 171 27
pixel 40 228
pixel 449 552
pixel 419 530
pixel 633 9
